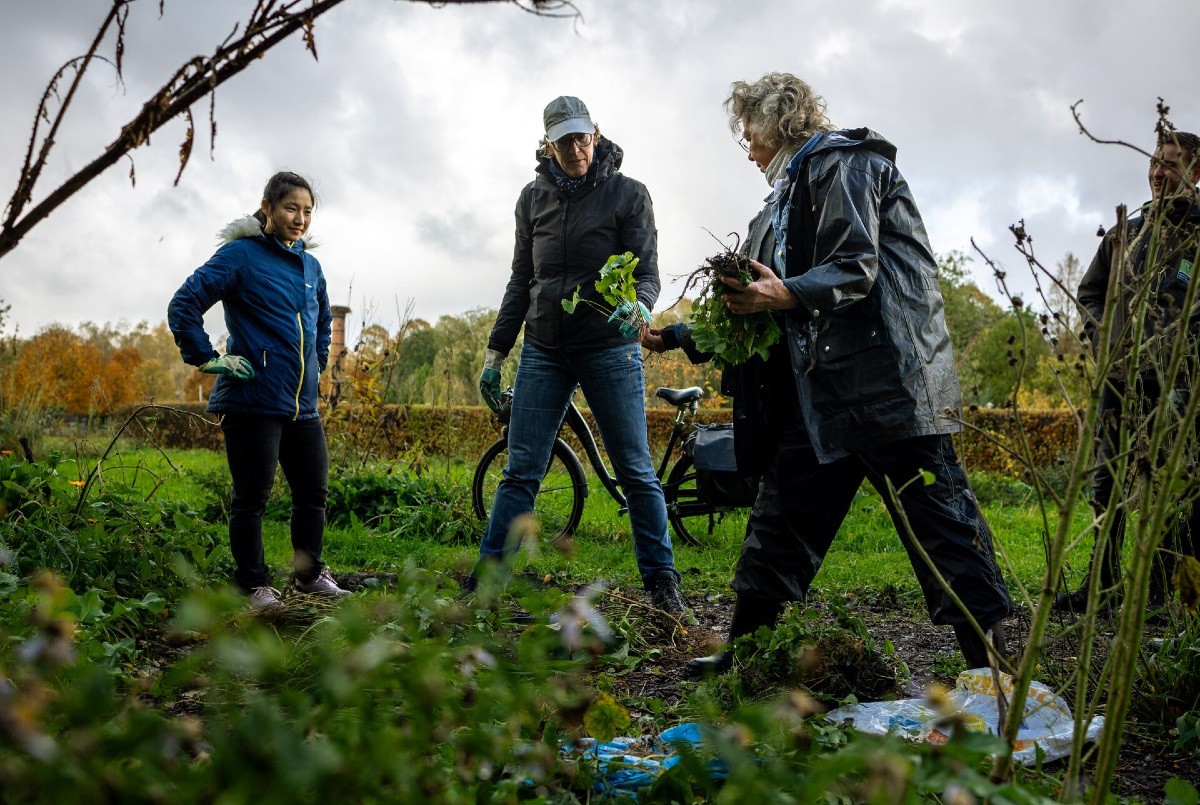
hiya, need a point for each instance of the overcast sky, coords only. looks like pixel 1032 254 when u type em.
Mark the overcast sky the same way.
pixel 418 127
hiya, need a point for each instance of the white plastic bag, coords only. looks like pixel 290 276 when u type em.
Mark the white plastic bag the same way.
pixel 1047 724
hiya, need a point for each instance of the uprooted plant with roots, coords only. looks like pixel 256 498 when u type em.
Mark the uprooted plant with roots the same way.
pixel 730 337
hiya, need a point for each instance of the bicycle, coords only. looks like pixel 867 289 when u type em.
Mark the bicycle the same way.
pixel 560 499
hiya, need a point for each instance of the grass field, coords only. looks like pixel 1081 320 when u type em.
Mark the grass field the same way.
pixel 867 556
pixel 410 663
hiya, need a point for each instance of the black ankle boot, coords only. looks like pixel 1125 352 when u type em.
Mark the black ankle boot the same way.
pixel 749 613
pixel 974 651
pixel 1076 602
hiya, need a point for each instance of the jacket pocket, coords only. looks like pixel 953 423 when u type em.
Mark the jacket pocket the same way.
pixel 855 366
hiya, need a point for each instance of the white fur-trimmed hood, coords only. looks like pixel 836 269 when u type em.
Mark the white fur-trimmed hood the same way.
pixel 248 227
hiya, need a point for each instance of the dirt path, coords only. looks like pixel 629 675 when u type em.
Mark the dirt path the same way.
pixel 930 652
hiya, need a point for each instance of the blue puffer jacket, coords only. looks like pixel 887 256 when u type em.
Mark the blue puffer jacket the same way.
pixel 277 314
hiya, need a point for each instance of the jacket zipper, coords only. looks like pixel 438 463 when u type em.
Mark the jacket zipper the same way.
pixel 300 383
pixel 562 277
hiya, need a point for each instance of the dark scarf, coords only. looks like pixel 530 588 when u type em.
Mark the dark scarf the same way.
pixel 569 185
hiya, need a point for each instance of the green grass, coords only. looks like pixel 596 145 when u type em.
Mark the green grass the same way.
pixel 342 653
pixel 866 557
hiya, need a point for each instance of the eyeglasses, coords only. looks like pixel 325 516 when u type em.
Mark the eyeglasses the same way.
pixel 569 141
pixel 745 146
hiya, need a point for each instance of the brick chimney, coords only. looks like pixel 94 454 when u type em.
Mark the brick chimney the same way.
pixel 338 335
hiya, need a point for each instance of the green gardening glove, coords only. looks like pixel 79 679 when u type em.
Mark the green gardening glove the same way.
pixel 632 318
pixel 234 366
pixel 489 380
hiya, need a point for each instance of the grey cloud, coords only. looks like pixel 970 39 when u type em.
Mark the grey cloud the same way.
pixel 418 124
pixel 455 234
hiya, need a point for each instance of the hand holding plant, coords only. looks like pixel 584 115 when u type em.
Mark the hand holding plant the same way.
pixel 618 287
pixel 626 314
pixel 731 338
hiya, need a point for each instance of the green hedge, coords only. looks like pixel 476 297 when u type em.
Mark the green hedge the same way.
pixel 465 431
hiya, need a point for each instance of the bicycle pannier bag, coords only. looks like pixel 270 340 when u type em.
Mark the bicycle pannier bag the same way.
pixel 717 476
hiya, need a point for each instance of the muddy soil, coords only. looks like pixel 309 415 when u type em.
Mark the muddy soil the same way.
pixel 930 652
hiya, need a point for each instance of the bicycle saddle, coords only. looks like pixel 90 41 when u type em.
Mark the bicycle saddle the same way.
pixel 680 396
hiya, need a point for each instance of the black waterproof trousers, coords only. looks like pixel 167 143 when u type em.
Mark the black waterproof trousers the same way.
pixel 255 445
pixel 801 505
pixel 1117 419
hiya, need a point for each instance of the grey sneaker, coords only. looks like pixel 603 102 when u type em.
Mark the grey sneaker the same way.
pixel 323 584
pixel 264 598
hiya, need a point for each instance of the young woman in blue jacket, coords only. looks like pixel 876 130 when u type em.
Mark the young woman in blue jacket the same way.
pixel 279 322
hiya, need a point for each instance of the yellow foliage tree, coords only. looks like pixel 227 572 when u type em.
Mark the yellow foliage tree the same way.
pixel 55 369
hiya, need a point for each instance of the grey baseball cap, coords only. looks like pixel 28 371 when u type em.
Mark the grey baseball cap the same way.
pixel 566 115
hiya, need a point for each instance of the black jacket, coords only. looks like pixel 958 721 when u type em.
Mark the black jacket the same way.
pixel 868 344
pixel 562 243
pixel 867 348
pixel 1174 237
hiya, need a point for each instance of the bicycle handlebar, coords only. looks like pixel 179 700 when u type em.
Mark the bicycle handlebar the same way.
pixel 505 412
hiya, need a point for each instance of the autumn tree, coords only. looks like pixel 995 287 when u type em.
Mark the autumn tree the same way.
pixel 55 369
pixel 162 375
pixel 1061 303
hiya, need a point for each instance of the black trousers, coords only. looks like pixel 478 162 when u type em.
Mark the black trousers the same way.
pixel 255 446
pixel 1116 417
pixel 802 503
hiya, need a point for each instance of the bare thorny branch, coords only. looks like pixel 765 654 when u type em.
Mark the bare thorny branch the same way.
pixel 269 23
pixel 1151 469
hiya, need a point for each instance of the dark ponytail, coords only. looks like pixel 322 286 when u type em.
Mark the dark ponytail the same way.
pixel 277 189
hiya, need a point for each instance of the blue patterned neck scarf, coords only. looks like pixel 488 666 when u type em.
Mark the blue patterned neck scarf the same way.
pixel 781 197
pixel 569 185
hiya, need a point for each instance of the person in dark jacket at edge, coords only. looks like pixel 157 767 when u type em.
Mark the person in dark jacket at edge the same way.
pixel 1172 219
pixel 862 383
pixel 279 322
pixel 577 212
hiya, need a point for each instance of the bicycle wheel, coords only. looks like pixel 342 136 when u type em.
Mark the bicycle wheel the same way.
pixel 558 506
pixel 690 515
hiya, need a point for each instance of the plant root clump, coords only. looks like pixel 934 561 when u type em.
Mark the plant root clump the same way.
pixel 729 337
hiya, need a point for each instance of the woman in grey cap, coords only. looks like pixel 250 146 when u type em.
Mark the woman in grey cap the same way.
pixel 577 212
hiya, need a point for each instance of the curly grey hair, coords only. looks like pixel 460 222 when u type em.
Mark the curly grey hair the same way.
pixel 780 110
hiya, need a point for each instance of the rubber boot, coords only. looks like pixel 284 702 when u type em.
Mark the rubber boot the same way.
pixel 973 649
pixel 749 613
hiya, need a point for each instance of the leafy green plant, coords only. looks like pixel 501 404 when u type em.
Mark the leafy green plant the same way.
pixel 1168 681
pixel 113 541
pixel 731 338
pixel 27 486
pixel 831 661
pixel 1187 729
pixel 107 629
pixel 411 697
pixel 617 287
pixel 400 502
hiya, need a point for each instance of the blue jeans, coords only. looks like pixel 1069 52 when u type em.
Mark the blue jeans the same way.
pixel 615 388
